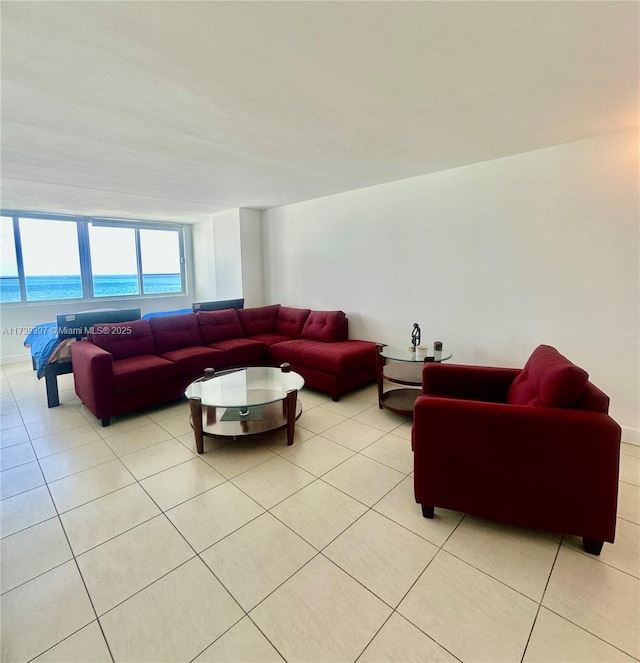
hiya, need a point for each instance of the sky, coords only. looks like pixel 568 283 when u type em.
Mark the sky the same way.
pixel 50 248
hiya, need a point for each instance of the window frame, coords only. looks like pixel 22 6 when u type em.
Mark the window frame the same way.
pixel 84 248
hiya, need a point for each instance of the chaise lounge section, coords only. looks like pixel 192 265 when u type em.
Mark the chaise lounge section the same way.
pixel 124 367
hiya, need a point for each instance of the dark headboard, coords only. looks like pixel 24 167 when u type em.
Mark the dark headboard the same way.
pixel 220 305
pixel 76 325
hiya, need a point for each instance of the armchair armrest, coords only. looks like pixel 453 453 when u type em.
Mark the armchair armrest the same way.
pixel 93 377
pixel 478 383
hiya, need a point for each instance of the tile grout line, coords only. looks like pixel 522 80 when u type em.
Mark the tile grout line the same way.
pixel 75 561
pixel 316 478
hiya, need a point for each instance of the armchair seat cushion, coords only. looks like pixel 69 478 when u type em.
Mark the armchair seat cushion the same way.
pixel 141 371
pixel 548 379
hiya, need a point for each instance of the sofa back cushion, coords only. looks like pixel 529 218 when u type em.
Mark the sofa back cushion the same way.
pixel 327 326
pixel 218 326
pixel 548 379
pixel 593 400
pixel 124 339
pixel 260 320
pixel 291 321
pixel 173 332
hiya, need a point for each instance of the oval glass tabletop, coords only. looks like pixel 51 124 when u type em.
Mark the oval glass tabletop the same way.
pixel 255 385
pixel 399 353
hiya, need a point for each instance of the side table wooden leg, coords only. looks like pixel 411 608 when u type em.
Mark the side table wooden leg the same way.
pixel 291 400
pixel 379 373
pixel 195 405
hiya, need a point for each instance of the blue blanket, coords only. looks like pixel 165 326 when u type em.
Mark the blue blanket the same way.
pixel 42 341
pixel 180 311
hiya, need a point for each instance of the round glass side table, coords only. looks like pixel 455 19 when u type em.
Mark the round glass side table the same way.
pixel 402 365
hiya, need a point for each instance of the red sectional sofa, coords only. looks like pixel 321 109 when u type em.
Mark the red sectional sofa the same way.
pixel 123 367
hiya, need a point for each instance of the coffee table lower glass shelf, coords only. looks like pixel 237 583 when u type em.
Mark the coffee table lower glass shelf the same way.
pixel 244 402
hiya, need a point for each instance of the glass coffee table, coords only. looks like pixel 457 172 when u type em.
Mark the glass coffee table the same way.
pixel 404 366
pixel 244 401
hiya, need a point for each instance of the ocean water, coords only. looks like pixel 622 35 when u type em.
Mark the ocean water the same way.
pixel 41 288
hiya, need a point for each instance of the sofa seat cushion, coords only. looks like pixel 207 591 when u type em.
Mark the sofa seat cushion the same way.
pixel 173 332
pixel 124 339
pixel 193 361
pixel 291 321
pixel 259 320
pixel 270 339
pixel 219 325
pixel 548 379
pixel 242 350
pixel 336 358
pixel 142 371
pixel 327 326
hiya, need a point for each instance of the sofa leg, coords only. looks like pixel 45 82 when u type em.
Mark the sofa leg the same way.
pixel 592 546
pixel 106 421
pixel 335 399
pixel 427 511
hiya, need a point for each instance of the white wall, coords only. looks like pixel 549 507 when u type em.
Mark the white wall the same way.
pixel 493 259
pixel 228 256
pixel 204 262
pixel 252 263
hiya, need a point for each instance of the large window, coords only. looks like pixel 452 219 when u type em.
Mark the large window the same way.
pixel 113 261
pixel 51 259
pixel 160 264
pixel 48 258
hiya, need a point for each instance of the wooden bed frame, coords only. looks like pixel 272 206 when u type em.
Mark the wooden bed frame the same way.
pixel 219 305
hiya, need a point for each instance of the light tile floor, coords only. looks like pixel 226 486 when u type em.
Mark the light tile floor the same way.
pixel 122 544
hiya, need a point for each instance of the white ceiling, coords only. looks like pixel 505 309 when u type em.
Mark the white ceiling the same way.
pixel 176 110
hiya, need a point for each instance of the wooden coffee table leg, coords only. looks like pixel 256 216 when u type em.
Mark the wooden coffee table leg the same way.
pixel 196 421
pixel 291 400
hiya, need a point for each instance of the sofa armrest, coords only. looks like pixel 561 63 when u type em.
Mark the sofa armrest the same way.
pixel 478 383
pixel 93 377
pixel 541 467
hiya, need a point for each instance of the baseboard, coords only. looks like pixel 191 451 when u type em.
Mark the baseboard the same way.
pixel 631 435
pixel 15 359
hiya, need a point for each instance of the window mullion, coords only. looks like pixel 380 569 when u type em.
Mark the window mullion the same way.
pixel 86 271
pixel 139 262
pixel 18 245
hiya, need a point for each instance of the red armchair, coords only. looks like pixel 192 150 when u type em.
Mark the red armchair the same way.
pixel 532 447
